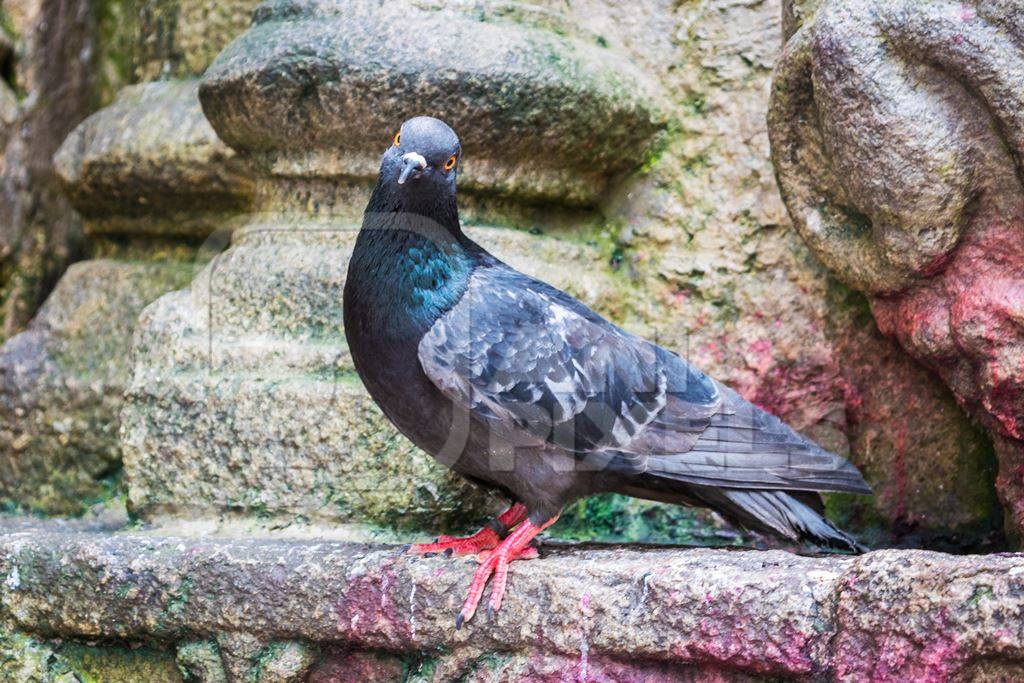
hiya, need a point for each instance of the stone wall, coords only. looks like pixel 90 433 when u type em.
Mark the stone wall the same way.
pixel 692 249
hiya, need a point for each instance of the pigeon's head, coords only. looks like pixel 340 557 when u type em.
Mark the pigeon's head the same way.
pixel 423 158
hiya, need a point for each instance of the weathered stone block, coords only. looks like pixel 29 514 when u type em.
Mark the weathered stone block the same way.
pixel 150 164
pixel 511 80
pixel 151 179
pixel 61 383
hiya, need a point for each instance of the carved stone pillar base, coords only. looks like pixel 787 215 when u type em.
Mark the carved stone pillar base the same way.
pixel 244 398
pixel 150 177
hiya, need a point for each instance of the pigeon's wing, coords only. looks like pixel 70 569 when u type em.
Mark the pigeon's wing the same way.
pixel 742 446
pixel 537 364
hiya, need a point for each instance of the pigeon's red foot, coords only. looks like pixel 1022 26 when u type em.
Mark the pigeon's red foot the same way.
pixel 483 540
pixel 515 547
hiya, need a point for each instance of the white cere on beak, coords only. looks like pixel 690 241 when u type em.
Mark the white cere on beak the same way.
pixel 418 158
pixel 411 161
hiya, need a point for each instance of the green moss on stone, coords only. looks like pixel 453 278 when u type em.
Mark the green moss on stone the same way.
pixel 26 660
pixel 615 518
pixel 200 661
pixel 120 664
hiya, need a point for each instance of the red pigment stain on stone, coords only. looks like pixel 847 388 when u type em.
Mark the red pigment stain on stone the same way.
pixel 735 643
pixel 761 352
pixel 896 656
pixel 966 322
pixel 802 392
pixel 366 612
pixel 714 351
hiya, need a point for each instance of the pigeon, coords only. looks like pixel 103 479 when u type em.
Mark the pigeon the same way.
pixel 527 392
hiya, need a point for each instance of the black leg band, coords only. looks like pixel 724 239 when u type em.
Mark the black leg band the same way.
pixel 499 528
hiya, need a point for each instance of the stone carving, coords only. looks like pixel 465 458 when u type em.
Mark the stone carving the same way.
pixel 243 395
pixel 897 133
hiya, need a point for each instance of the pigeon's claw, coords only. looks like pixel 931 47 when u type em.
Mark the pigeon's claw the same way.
pixel 528 553
pixel 483 540
pixel 516 546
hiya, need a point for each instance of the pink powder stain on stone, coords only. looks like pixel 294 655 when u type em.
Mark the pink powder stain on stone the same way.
pixel 366 611
pixel 800 391
pixel 585 605
pixel 966 322
pixel 896 658
pixel 736 643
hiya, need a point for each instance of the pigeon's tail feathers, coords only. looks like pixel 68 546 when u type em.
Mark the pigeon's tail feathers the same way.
pixel 795 516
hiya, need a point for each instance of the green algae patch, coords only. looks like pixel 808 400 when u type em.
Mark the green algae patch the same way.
pixel 27 660
pixel 120 664
pixel 615 518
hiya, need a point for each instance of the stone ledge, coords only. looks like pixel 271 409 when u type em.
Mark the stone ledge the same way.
pixel 888 614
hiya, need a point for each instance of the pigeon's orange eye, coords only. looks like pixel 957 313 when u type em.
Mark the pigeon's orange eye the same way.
pixel 398 138
pixel 450 164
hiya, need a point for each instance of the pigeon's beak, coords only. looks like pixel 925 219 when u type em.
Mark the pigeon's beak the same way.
pixel 411 163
